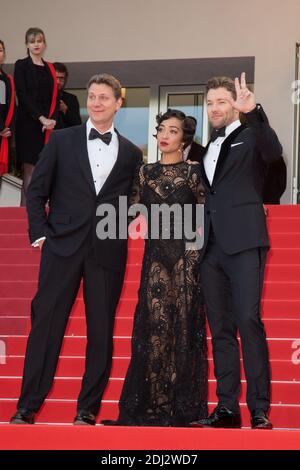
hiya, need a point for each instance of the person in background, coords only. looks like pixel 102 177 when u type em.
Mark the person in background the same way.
pixel 275 182
pixel 69 111
pixel 194 152
pixel 7 103
pixel 36 89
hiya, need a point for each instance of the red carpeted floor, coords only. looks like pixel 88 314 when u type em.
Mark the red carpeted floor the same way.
pixel 281 315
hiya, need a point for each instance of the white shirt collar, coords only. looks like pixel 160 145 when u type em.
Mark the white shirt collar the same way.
pixel 234 125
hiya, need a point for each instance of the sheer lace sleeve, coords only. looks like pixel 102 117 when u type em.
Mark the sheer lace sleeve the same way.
pixel 195 183
pixel 137 186
pixel 136 191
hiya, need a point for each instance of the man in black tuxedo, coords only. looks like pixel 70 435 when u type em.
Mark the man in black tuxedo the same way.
pixel 194 152
pixel 79 169
pixel 69 111
pixel 235 248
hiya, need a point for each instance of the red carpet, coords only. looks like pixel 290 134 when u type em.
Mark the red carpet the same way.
pixel 281 315
pixel 124 438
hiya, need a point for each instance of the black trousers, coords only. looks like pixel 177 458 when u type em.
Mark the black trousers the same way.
pixel 232 287
pixel 59 281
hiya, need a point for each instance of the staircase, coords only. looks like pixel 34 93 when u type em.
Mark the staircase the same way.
pixel 18 281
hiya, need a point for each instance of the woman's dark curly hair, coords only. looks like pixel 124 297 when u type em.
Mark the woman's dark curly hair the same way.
pixel 188 123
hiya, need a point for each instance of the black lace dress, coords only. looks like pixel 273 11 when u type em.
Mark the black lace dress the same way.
pixel 166 382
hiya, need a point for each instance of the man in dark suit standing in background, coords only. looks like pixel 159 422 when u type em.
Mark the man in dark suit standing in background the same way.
pixel 194 152
pixel 79 169
pixel 69 111
pixel 235 248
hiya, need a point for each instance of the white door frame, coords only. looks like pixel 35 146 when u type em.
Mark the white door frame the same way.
pixel 296 144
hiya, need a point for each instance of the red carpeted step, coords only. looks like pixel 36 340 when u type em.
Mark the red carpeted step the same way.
pixel 278 308
pixel 20 307
pixel 75 346
pixel 69 388
pixel 59 411
pixel 19 272
pixel 272 289
pixel 97 438
pixel 29 272
pixel 23 289
pixel 274 211
pixel 281 290
pixel 29 255
pixel 11 325
pixel 13 213
pixel 271 308
pixel 284 370
pixel 19 256
pixel 291 240
pixel 284 255
pixel 282 272
pixel 67 366
pixel 22 241
pixel 13 226
pixel 14 241
pixel 283 211
pixel 283 224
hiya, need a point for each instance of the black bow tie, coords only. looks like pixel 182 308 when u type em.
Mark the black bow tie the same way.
pixel 217 133
pixel 94 134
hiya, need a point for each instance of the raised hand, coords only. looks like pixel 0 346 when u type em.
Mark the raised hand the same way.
pixel 245 100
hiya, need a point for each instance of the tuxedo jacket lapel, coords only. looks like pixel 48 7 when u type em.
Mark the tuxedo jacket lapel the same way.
pixel 116 168
pixel 225 148
pixel 203 172
pixel 81 152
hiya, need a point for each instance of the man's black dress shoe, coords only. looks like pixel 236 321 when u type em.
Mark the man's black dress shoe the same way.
pixel 84 418
pixel 221 417
pixel 23 417
pixel 260 420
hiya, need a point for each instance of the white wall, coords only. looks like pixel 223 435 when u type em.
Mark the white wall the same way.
pixel 93 30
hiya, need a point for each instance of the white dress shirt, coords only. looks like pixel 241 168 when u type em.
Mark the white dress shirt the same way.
pixel 211 158
pixel 102 158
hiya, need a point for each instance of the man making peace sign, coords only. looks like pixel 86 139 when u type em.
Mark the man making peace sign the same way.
pixel 235 248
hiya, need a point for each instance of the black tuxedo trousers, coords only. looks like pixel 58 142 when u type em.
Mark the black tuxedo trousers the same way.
pixel 59 281
pixel 232 286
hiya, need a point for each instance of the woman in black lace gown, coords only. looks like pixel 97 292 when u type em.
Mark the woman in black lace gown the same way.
pixel 166 383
